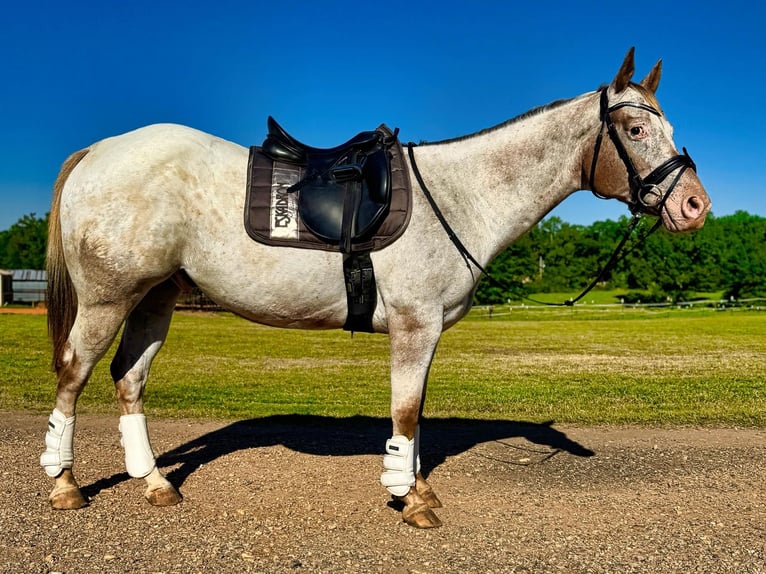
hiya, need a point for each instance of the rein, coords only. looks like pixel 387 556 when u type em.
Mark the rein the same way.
pixel 646 198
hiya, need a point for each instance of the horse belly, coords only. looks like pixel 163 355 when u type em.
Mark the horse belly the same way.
pixel 275 286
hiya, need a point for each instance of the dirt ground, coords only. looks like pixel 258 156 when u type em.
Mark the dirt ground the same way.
pixel 300 494
pixel 23 310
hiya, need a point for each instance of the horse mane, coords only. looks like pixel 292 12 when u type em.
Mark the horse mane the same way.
pixel 645 92
pixel 533 112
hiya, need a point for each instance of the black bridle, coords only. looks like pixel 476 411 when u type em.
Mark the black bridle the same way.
pixel 645 193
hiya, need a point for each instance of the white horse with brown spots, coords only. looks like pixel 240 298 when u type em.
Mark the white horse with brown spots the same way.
pixel 131 212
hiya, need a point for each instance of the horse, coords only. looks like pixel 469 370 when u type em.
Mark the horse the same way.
pixel 134 214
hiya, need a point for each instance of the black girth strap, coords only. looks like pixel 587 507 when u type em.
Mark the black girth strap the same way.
pixel 361 291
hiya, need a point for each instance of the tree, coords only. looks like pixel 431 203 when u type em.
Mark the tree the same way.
pixel 743 265
pixel 728 254
pixel 22 246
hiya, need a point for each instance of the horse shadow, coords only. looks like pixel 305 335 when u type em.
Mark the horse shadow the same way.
pixel 358 435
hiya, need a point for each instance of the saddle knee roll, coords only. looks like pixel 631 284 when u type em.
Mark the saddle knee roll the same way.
pixel 59 444
pixel 399 465
pixel 139 458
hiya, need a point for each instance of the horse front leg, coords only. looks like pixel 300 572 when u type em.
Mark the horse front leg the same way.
pixel 413 343
pixel 144 333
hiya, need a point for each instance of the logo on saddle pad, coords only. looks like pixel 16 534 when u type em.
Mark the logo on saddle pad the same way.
pixel 284 219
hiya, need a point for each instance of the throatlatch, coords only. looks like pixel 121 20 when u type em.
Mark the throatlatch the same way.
pixel 59 442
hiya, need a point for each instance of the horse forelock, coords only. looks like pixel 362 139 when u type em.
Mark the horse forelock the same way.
pixel 648 95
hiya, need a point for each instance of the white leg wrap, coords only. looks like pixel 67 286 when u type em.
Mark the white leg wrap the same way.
pixel 139 458
pixel 59 443
pixel 417 449
pixel 399 465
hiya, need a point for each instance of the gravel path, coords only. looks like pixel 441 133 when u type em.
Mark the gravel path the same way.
pixel 301 495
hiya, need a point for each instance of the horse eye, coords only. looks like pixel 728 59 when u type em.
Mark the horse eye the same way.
pixel 636 130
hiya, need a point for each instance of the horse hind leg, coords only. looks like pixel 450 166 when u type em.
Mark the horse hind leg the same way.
pixel 143 336
pixel 92 333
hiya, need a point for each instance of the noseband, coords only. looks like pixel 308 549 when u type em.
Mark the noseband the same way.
pixel 645 193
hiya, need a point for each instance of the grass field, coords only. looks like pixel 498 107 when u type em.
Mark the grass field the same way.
pixel 691 367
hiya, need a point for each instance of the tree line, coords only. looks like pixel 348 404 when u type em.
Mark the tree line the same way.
pixel 22 246
pixel 728 255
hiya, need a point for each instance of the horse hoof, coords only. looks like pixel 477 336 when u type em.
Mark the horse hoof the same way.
pixel 163 496
pixel 420 516
pixel 68 498
pixel 430 498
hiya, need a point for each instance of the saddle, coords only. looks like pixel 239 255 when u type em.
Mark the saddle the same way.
pixel 354 198
pixel 345 193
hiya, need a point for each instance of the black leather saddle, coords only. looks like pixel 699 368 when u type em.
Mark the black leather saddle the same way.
pixel 346 192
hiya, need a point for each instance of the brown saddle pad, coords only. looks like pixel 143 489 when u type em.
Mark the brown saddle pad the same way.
pixel 272 216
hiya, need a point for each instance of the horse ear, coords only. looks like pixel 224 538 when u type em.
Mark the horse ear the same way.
pixel 652 79
pixel 622 79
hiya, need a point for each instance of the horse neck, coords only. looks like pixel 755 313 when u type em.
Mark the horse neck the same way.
pixel 495 185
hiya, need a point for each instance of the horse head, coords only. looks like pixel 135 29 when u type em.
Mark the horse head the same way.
pixel 638 163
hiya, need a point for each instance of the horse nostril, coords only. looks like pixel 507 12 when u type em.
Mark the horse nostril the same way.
pixel 693 207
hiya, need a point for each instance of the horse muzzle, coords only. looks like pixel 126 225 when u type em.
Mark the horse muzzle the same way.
pixel 686 206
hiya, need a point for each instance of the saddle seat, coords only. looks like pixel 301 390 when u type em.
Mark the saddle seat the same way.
pixel 282 146
pixel 345 193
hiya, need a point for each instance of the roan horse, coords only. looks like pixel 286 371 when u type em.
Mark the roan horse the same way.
pixel 131 212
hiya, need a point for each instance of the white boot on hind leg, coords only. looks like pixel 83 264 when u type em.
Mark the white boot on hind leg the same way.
pixel 59 443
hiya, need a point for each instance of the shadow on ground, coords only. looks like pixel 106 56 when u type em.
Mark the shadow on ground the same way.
pixel 328 436
pixel 358 435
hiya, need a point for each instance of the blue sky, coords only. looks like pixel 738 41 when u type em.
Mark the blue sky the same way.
pixel 75 72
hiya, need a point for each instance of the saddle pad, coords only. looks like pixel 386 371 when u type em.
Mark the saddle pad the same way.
pixel 271 214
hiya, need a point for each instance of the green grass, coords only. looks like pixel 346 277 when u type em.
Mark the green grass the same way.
pixel 690 367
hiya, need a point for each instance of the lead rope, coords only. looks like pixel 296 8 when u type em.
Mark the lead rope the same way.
pixel 468 258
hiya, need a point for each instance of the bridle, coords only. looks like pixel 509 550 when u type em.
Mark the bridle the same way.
pixel 646 197
pixel 645 193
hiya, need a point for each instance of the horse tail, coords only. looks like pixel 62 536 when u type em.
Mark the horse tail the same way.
pixel 61 298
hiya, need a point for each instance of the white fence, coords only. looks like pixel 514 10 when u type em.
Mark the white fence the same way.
pixel 490 311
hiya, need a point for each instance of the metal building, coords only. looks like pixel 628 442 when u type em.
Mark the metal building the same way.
pixel 29 285
pixel 6 287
